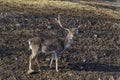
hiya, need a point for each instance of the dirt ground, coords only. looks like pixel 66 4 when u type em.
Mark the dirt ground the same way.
pixel 95 54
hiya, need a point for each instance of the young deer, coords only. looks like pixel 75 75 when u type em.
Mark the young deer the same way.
pixel 53 46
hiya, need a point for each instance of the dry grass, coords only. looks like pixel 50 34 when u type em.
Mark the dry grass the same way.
pixel 65 5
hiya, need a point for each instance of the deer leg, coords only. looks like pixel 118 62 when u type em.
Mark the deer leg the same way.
pixel 32 56
pixel 56 61
pixel 30 65
pixel 52 57
pixel 36 60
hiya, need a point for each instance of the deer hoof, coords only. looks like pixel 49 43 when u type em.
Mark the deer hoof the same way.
pixel 30 71
pixel 39 70
pixel 57 70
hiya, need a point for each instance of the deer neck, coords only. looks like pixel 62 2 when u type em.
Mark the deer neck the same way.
pixel 68 40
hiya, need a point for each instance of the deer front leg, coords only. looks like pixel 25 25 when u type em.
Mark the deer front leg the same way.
pixel 56 61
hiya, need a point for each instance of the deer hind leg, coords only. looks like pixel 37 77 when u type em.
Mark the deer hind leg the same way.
pixel 30 65
pixel 52 57
pixel 36 60
pixel 32 56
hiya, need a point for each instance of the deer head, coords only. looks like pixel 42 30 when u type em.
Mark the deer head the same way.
pixel 70 34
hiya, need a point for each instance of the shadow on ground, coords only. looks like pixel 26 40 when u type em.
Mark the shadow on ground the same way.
pixel 94 67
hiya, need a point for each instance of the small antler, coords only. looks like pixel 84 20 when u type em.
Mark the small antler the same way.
pixel 59 22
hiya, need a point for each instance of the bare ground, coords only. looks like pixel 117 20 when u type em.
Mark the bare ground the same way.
pixel 95 54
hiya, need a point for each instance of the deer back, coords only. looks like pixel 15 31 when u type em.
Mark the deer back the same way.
pixel 56 44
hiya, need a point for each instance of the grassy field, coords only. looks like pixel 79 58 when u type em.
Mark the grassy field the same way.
pixel 97 8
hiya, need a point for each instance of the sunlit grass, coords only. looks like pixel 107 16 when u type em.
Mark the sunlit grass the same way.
pixel 65 5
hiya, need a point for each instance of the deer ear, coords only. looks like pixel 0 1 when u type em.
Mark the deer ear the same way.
pixel 75 30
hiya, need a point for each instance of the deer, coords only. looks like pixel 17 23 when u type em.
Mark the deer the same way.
pixel 54 46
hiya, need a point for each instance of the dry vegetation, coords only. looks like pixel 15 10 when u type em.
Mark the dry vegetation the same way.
pixel 65 5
